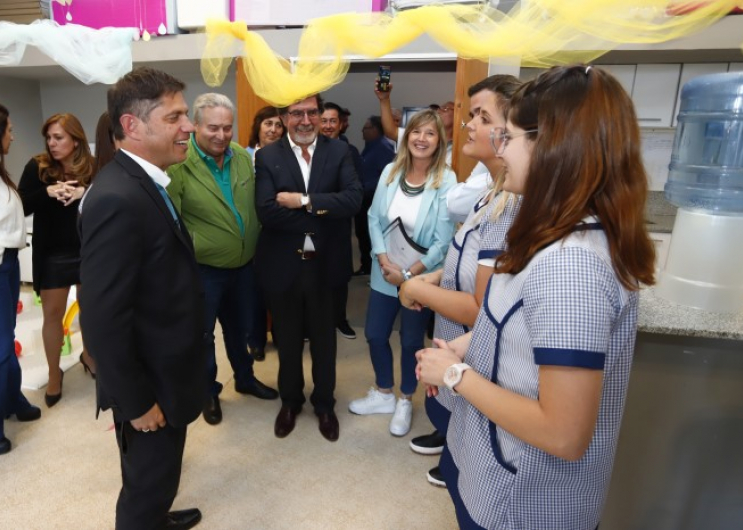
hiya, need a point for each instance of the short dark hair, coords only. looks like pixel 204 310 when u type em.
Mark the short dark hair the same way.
pixel 318 98
pixel 344 112
pixel 332 106
pixel 376 122
pixel 138 93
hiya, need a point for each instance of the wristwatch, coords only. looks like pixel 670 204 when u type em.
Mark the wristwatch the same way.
pixel 406 274
pixel 305 201
pixel 453 375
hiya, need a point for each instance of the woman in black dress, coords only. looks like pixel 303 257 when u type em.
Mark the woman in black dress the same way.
pixel 51 187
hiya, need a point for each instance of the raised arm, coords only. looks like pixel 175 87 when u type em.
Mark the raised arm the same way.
pixel 385 112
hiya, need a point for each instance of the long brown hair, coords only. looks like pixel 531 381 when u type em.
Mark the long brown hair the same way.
pixel 585 160
pixel 403 162
pixel 4 124
pixel 51 170
pixel 105 147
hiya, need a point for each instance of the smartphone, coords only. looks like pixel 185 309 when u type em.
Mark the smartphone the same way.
pixel 383 79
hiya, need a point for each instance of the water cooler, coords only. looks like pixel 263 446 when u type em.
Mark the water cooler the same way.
pixel 705 261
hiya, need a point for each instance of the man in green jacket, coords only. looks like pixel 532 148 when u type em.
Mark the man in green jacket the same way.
pixel 214 191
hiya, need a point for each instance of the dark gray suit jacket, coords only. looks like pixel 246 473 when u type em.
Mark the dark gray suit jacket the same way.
pixel 142 302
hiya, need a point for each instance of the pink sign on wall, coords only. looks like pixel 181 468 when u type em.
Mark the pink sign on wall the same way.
pixel 296 12
pixel 153 16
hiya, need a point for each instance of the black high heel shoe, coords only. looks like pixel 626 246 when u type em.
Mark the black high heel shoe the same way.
pixel 86 368
pixel 53 399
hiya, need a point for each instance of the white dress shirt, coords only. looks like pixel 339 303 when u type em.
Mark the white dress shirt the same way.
pixel 306 168
pixel 12 221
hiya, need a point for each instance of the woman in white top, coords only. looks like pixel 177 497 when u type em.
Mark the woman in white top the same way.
pixel 12 238
pixel 542 378
pixel 411 192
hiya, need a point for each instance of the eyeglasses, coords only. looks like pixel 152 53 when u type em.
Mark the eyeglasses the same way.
pixel 299 114
pixel 504 137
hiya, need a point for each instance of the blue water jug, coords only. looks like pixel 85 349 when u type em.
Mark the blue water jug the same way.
pixel 705 260
pixel 706 170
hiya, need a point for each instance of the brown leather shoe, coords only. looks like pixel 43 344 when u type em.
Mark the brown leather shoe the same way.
pixel 329 425
pixel 285 421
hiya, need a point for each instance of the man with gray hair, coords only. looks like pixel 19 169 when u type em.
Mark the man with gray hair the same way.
pixel 214 191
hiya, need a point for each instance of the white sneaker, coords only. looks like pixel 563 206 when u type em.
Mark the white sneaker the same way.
pixel 400 423
pixel 375 402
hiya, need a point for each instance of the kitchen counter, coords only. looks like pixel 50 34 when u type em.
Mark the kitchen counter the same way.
pixel 658 315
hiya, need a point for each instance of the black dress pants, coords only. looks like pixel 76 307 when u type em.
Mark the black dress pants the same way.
pixel 150 472
pixel 361 227
pixel 306 306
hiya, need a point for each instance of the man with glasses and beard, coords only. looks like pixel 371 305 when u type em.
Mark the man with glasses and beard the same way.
pixel 307 189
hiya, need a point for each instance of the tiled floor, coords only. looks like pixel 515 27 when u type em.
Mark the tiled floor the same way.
pixel 63 470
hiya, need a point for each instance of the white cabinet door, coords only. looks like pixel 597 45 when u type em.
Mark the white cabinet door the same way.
pixel 654 93
pixel 625 74
pixel 735 67
pixel 691 70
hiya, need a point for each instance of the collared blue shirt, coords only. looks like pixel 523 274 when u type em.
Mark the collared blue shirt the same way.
pixel 222 178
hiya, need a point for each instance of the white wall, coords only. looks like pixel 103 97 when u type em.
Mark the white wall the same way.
pixel 88 102
pixel 21 97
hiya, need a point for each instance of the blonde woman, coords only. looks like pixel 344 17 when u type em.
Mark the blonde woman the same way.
pixel 413 188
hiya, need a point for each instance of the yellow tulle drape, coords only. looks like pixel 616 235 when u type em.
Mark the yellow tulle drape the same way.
pixel 542 33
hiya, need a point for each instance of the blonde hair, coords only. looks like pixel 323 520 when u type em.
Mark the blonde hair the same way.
pixel 403 162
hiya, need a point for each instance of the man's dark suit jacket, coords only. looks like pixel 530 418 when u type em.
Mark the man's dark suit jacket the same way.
pixel 335 191
pixel 142 302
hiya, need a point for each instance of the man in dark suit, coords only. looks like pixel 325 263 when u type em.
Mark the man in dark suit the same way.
pixel 142 302
pixel 307 190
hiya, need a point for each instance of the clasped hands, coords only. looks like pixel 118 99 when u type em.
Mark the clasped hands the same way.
pixel 152 420
pixel 391 272
pixel 66 192
pixel 433 362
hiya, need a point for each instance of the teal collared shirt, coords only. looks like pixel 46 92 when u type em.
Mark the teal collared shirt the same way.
pixel 222 178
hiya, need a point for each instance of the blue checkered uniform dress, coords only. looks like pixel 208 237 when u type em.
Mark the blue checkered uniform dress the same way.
pixel 566 308
pixel 478 238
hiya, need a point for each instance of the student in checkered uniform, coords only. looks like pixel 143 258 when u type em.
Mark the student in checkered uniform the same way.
pixel 455 292
pixel 542 378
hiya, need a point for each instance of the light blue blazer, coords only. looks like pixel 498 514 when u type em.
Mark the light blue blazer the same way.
pixel 433 228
